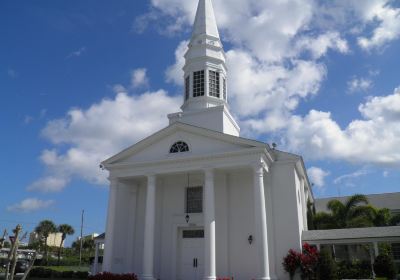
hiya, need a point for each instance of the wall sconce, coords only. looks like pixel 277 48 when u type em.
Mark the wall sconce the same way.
pixel 250 239
pixel 187 218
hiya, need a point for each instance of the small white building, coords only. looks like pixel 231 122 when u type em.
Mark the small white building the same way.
pixel 197 201
pixel 53 240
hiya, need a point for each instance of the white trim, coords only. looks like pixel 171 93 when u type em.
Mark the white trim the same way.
pixel 141 145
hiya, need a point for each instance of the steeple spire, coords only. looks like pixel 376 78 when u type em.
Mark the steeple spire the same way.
pixel 205 22
pixel 205 101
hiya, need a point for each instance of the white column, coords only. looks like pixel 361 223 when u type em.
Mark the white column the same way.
pixel 209 226
pixel 149 225
pixel 376 249
pixel 96 259
pixel 111 215
pixel 303 202
pixel 260 220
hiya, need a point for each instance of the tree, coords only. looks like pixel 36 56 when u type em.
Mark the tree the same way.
pixel 354 212
pixel 65 229
pixel 327 268
pixel 43 229
pixel 310 215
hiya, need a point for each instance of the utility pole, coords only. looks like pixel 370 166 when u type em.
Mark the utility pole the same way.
pixel 81 245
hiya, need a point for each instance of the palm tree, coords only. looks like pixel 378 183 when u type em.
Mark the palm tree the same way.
pixel 65 229
pixel 382 217
pixel 44 228
pixel 354 212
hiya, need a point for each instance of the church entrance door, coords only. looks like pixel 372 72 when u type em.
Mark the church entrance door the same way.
pixel 191 254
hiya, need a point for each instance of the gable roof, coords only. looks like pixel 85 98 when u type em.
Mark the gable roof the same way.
pixel 178 126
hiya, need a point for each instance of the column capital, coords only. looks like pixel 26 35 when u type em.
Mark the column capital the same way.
pixel 208 172
pixel 151 178
pixel 259 167
pixel 114 181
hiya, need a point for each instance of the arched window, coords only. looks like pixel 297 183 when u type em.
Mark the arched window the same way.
pixel 179 147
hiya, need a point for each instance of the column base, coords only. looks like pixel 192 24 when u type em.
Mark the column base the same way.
pixel 266 278
pixel 147 277
pixel 210 278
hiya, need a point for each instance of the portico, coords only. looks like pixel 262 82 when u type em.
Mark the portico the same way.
pixel 154 182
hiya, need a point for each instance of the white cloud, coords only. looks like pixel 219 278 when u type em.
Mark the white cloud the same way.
pixel 77 53
pixel 373 139
pixel 319 45
pixel 174 73
pixel 359 85
pixel 279 22
pixel 139 78
pixel 263 95
pixel 95 133
pixel 348 177
pixel 50 183
pixel 317 176
pixel 30 205
pixel 387 21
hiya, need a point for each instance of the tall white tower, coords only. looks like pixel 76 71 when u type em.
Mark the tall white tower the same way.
pixel 205 77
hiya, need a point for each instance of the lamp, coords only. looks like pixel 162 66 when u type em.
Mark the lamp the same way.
pixel 250 239
pixel 187 217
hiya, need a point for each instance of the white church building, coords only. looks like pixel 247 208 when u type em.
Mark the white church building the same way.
pixel 197 201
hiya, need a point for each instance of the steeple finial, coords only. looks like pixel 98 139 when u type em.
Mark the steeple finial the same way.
pixel 205 22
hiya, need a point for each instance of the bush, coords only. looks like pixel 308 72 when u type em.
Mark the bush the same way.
pixel 291 262
pixel 354 270
pixel 112 276
pixel 81 274
pixel 41 272
pixel 67 274
pixel 327 268
pixel 384 267
pixel 309 261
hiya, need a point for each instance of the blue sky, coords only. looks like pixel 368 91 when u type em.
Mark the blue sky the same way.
pixel 80 82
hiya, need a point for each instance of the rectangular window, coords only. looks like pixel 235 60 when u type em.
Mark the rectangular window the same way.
pixel 198 83
pixel 194 200
pixel 187 87
pixel 224 85
pixel 213 80
pixel 199 233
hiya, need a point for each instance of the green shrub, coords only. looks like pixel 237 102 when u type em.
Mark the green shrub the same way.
pixel 354 270
pixel 112 276
pixel 384 267
pixel 327 267
pixel 67 274
pixel 40 272
pixel 81 274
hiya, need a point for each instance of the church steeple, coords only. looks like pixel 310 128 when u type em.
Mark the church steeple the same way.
pixel 205 22
pixel 205 77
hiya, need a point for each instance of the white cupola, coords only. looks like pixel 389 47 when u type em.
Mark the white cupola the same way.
pixel 205 96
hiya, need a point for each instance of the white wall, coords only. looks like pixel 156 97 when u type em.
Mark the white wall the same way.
pixel 234 221
pixel 286 218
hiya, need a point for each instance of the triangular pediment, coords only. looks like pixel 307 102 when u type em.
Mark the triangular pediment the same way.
pixel 201 142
